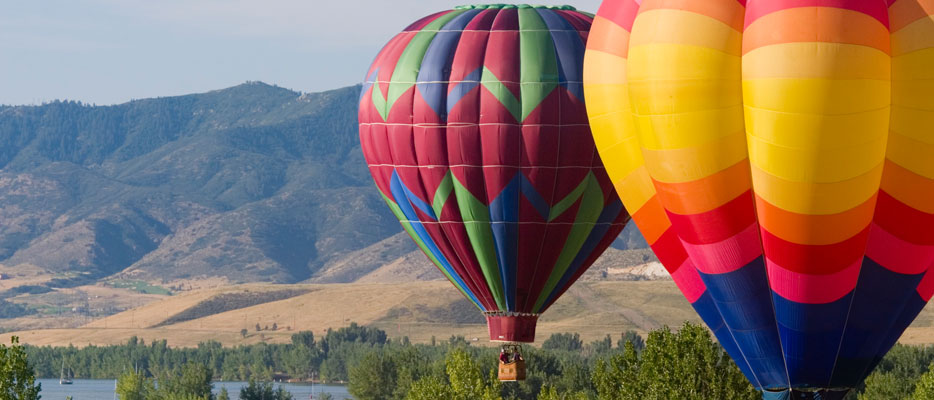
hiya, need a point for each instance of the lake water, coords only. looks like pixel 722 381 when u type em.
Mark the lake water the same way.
pixel 93 389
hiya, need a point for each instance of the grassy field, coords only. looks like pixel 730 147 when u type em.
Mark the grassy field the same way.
pixel 140 287
pixel 419 310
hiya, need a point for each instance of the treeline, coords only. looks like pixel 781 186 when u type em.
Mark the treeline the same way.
pixel 304 358
pixel 685 364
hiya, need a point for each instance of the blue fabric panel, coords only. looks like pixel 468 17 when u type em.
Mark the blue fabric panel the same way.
pixel 535 198
pixel 878 294
pixel 460 89
pixel 504 218
pixel 569 47
pixel 747 312
pixel 805 395
pixel 435 70
pixel 811 336
pixel 415 201
pixel 707 310
pixel 597 233
pixel 398 193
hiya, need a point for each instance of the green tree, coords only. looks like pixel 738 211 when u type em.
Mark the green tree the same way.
pixel 373 378
pixel 684 365
pixel 223 395
pixel 886 385
pixel 263 391
pixel 194 380
pixel 430 388
pixel 465 381
pixel 17 378
pixel 563 341
pixel 549 392
pixel 633 337
pixel 134 385
pixel 924 389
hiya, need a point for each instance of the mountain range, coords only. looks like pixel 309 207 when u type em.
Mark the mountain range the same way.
pixel 253 183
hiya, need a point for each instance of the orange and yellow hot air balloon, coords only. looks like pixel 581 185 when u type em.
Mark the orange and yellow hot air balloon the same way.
pixel 779 157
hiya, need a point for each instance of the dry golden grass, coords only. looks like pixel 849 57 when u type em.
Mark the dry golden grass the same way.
pixel 419 310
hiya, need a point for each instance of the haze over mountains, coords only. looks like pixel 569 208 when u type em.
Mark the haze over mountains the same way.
pixel 251 183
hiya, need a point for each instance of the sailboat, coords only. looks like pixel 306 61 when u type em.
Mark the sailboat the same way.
pixel 64 380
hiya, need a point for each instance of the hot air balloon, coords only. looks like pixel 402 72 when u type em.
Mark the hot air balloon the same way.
pixel 472 122
pixel 779 157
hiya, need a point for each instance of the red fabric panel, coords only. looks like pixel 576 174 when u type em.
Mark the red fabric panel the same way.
pixel 728 255
pixel 896 254
pixel 903 221
pixel 813 289
pixel 531 244
pixel 689 281
pixel 815 259
pixel 718 224
pixel 874 8
pixel 621 12
pixel 556 236
pixel 669 250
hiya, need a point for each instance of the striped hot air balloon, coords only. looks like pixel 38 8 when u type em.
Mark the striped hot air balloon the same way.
pixel 473 124
pixel 779 157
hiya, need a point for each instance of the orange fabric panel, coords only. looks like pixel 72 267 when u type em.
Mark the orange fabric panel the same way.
pixel 608 37
pixel 821 229
pixel 707 193
pixel 652 220
pixel 908 187
pixel 730 12
pixel 816 24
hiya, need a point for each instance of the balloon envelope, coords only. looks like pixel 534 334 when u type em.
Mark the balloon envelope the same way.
pixel 473 125
pixel 778 156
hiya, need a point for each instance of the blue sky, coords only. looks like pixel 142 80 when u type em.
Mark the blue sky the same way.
pixel 111 51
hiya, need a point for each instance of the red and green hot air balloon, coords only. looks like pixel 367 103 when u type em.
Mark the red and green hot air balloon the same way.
pixel 779 157
pixel 472 122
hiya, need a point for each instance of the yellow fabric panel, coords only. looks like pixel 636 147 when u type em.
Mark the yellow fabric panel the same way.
pixel 917 65
pixel 825 165
pixel 670 97
pixel 687 28
pixel 603 68
pixel 612 129
pixel 800 130
pixel 914 123
pixel 605 99
pixel 816 198
pixel 688 129
pixel 692 163
pixel 622 158
pixel 817 96
pixel 915 36
pixel 911 94
pixel 635 189
pixel 913 155
pixel 664 61
pixel 817 60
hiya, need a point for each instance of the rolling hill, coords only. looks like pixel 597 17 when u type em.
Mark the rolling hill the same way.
pixel 253 183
